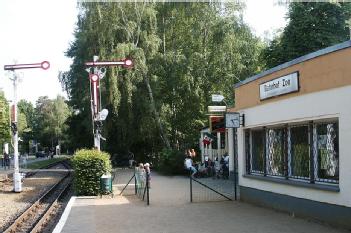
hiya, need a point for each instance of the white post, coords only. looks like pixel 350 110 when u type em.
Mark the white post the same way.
pixel 231 148
pixel 16 175
pixel 219 144
pixel 210 151
pixel 97 140
pixel 202 147
pixel 226 140
pixel 95 111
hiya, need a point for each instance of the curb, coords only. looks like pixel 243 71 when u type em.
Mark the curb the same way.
pixel 59 226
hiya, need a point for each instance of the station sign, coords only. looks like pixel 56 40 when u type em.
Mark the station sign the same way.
pixel 280 86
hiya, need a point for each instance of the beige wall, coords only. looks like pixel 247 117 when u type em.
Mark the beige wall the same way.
pixel 325 72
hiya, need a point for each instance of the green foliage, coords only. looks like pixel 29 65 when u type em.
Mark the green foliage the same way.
pixel 171 162
pixel 4 120
pixel 50 118
pixel 182 53
pixel 89 166
pixel 45 163
pixel 312 26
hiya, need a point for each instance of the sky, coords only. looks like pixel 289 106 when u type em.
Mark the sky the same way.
pixel 41 30
pixel 32 32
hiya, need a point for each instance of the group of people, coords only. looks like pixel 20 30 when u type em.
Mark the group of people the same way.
pixel 219 168
pixel 144 170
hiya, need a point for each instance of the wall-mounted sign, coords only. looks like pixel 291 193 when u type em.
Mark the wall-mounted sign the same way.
pixel 280 86
pixel 232 120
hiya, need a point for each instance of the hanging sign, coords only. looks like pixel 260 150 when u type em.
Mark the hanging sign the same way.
pixel 232 120
pixel 280 86
pixel 217 124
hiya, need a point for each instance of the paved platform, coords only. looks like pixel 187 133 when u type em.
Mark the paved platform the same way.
pixel 171 212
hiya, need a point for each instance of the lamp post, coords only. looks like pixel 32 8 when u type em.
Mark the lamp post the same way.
pixel 43 65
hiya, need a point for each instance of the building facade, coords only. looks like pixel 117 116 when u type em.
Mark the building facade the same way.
pixel 294 150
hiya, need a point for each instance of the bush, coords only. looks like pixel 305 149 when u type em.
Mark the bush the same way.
pixel 89 166
pixel 172 162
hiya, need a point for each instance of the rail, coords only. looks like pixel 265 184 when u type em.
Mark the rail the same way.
pixel 40 211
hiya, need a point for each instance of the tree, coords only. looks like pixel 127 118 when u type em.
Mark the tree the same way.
pixel 182 53
pixel 27 109
pixel 312 26
pixel 4 120
pixel 50 120
pixel 60 114
pixel 25 124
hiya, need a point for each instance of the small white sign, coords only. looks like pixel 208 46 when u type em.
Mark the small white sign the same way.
pixel 279 86
pixel 217 98
pixel 217 108
pixel 232 120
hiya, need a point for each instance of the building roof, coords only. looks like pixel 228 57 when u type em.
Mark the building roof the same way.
pixel 298 60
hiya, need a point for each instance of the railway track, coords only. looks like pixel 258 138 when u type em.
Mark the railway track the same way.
pixel 29 174
pixel 39 214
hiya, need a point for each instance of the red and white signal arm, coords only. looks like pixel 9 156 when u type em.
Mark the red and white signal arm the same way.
pixel 94 77
pixel 43 65
pixel 128 62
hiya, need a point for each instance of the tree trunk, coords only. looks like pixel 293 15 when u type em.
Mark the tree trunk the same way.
pixel 157 117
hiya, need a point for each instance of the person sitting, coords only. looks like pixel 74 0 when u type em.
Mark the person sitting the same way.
pixel 206 161
pixel 189 166
pixel 202 170
pixel 210 168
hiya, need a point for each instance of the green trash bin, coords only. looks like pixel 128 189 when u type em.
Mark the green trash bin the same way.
pixel 105 184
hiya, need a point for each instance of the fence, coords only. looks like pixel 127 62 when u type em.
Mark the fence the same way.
pixel 213 187
pixel 134 182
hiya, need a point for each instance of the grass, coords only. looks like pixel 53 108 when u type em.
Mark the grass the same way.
pixel 44 163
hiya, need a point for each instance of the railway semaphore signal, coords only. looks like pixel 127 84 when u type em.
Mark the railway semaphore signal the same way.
pixel 42 65
pixel 98 73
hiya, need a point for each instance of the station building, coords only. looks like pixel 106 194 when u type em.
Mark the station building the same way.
pixel 294 151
